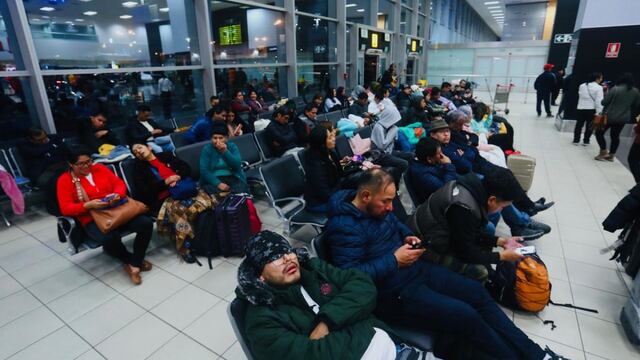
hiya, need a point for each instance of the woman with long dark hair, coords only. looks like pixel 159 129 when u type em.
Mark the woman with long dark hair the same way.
pixel 322 168
pixel 590 96
pixel 620 103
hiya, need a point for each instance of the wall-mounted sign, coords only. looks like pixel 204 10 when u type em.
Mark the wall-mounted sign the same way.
pixel 374 40
pixel 562 38
pixel 613 50
pixel 414 46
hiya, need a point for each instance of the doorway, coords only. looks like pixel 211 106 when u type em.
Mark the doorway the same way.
pixel 411 77
pixel 371 68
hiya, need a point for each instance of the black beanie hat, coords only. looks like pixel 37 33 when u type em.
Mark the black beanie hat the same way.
pixel 265 247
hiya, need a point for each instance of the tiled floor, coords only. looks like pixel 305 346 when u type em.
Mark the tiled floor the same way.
pixel 56 306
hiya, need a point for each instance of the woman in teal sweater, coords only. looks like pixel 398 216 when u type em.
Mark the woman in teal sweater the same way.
pixel 221 165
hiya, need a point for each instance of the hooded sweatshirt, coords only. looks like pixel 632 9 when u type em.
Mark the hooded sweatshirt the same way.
pixel 385 131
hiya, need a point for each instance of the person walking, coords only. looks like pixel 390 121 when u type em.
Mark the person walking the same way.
pixel 544 85
pixel 165 88
pixel 559 73
pixel 620 103
pixel 590 97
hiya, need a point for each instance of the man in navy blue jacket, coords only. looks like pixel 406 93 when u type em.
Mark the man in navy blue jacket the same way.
pixel 429 170
pixel 545 84
pixel 363 233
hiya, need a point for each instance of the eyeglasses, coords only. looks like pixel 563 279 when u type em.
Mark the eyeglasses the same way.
pixel 83 163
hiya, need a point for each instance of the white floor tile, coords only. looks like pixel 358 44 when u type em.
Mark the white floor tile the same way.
pixel 155 290
pixel 60 284
pixel 218 338
pixel 235 352
pixel 581 235
pixel 596 277
pixel 589 356
pixel 63 344
pixel 27 330
pixel 16 305
pixel 185 306
pixel 17 246
pixel 10 234
pixel 81 300
pixel 29 256
pixel 191 272
pixel 100 264
pixel 605 339
pixel 37 222
pixel 587 254
pixel 221 281
pixel 106 319
pixel 556 267
pixel 90 355
pixel 183 347
pixel 607 304
pixel 44 269
pixel 8 286
pixel 566 331
pixel 137 340
pixel 560 349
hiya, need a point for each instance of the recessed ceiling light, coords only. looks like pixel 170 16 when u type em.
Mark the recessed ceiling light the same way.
pixel 494 7
pixel 380 13
pixel 85 0
pixel 125 17
pixel 130 4
pixel 79 20
pixel 44 17
pixel 351 5
pixel 164 9
pixel 491 2
pixel 360 10
pixel 495 11
pixel 90 13
pixel 47 8
pixel 69 22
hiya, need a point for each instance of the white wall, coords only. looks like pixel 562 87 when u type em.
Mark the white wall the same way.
pixel 606 13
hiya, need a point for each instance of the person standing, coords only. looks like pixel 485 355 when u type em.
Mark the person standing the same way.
pixel 544 85
pixel 165 88
pixel 559 85
pixel 620 103
pixel 590 97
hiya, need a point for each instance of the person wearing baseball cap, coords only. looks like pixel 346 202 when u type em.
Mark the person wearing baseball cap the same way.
pixel 544 85
pixel 301 307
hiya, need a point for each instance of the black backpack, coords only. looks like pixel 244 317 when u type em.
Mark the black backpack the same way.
pixel 205 241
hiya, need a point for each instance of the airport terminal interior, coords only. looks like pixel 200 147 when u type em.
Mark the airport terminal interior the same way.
pixel 211 115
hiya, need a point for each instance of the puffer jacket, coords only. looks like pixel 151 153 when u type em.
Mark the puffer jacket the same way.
pixel 360 241
pixel 279 320
pixel 625 211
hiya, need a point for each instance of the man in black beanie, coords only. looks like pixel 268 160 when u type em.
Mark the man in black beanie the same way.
pixel 305 308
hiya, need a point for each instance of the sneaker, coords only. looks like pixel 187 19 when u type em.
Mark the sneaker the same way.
pixel 527 233
pixel 609 157
pixel 602 155
pixel 575 143
pixel 549 115
pixel 539 226
pixel 537 207
pixel 550 355
pixel 541 201
pixel 585 144
pixel 539 114
pixel 406 352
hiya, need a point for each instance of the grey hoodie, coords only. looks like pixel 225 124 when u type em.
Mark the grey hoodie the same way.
pixel 385 131
pixel 620 104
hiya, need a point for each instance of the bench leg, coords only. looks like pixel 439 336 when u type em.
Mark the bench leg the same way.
pixel 7 223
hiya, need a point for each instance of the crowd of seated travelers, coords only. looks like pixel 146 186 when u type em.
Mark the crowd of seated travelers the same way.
pixel 428 272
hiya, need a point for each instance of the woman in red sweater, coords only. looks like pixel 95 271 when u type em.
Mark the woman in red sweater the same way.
pixel 100 183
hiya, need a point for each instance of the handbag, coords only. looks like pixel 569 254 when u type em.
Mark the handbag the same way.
pixel 599 121
pixel 109 219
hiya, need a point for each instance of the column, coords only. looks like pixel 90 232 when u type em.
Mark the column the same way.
pixel 203 24
pixel 290 35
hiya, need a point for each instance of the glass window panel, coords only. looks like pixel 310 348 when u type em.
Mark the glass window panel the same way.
pixel 10 59
pixel 409 3
pixel 385 14
pixel 245 34
pixel 270 81
pixel 16 100
pixel 72 97
pixel 405 21
pixel 106 34
pixel 316 40
pixel 422 6
pixel 316 79
pixel 422 20
pixel 350 28
pixel 318 7
pixel 359 11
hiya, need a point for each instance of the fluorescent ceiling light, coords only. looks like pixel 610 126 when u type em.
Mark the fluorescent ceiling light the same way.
pixel 164 9
pixel 351 5
pixel 47 8
pixel 69 22
pixel 494 7
pixel 90 13
pixel 495 11
pixel 79 20
pixel 130 4
pixel 360 10
pixel 380 14
pixel 125 17
pixel 491 2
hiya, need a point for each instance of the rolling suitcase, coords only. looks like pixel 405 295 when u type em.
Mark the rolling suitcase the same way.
pixel 523 168
pixel 630 314
pixel 232 225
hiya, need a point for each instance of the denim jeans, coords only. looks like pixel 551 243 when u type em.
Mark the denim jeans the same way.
pixel 441 301
pixel 512 217
pixel 161 144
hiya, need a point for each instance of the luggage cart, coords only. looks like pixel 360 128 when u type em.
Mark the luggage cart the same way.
pixel 502 97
